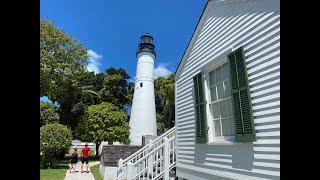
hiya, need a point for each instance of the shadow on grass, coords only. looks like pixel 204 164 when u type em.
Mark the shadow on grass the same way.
pixel 94 158
pixel 58 164
pixel 62 166
pixel 63 163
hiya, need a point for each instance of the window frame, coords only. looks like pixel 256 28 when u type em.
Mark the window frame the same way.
pixel 213 64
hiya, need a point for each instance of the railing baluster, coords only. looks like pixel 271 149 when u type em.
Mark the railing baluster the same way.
pixel 150 159
pixel 129 171
pixel 166 156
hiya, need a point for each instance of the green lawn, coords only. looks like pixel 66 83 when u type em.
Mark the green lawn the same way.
pixel 95 171
pixel 59 172
pixel 54 174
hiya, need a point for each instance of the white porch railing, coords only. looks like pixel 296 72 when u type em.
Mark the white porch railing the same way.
pixel 152 161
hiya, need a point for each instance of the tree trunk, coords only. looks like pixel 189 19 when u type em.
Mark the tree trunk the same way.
pixel 169 116
pixel 97 148
pixel 66 105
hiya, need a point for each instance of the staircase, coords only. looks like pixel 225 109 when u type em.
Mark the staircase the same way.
pixel 153 161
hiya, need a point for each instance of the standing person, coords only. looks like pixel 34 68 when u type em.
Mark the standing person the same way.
pixel 73 160
pixel 85 152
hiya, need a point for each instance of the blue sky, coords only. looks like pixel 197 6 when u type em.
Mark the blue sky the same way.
pixel 111 29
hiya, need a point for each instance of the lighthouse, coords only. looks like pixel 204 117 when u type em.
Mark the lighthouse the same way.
pixel 143 110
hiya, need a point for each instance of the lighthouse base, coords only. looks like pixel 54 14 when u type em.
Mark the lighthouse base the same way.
pixel 147 138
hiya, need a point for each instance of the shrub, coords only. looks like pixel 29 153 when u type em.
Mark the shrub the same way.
pixel 48 113
pixel 54 139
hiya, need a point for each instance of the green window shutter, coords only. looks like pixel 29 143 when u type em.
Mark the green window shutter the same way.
pixel 201 125
pixel 244 124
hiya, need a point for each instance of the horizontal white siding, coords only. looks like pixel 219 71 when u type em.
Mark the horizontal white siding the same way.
pixel 255 25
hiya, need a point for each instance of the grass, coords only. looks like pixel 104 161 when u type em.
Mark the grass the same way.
pixel 95 171
pixel 57 173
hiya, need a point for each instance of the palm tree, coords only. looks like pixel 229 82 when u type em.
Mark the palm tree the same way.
pixel 70 98
pixel 165 89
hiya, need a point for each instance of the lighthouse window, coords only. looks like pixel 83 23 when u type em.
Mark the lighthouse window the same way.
pixel 141 84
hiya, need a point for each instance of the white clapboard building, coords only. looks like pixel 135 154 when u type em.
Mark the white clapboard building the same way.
pixel 228 93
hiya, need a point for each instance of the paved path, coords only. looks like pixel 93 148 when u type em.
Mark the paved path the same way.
pixel 77 175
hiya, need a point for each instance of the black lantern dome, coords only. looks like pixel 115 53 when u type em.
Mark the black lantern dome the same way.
pixel 146 44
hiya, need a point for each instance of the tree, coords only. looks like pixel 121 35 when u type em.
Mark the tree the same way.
pixel 103 122
pixel 70 98
pixel 93 82
pixel 48 113
pixel 160 123
pixel 76 113
pixel 165 104
pixel 54 139
pixel 115 88
pixel 62 59
pixel 85 96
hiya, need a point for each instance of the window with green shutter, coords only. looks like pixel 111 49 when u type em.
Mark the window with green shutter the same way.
pixel 243 116
pixel 201 127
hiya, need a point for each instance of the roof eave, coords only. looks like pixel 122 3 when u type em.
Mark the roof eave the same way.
pixel 188 46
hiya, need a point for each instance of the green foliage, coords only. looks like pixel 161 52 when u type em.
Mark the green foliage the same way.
pixel 160 123
pixel 54 139
pixel 79 98
pixel 62 59
pixel 164 99
pixel 103 122
pixel 70 98
pixel 116 88
pixel 92 83
pixel 48 113
pixel 76 113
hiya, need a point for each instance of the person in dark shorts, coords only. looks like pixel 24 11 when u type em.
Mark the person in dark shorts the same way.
pixel 73 160
pixel 84 157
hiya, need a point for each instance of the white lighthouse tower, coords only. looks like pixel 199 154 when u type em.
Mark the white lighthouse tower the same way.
pixel 143 110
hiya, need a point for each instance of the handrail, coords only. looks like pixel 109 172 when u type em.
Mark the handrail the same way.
pixel 151 152
pixel 144 153
pixel 147 155
pixel 146 147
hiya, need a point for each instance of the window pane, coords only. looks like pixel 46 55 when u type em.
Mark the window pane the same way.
pixel 227 89
pixel 231 123
pixel 213 93
pixel 224 109
pixel 212 78
pixel 229 102
pixel 211 110
pixel 216 111
pixel 220 91
pixel 217 128
pixel 225 127
pixel 221 111
pixel 218 74
pixel 225 69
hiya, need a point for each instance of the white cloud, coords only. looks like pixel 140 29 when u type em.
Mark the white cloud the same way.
pixel 161 70
pixel 94 61
pixel 133 79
